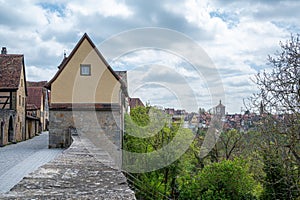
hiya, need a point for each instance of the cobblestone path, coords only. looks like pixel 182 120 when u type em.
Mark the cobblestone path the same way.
pixel 18 160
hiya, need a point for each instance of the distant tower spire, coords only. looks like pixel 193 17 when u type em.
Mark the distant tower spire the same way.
pixel 261 109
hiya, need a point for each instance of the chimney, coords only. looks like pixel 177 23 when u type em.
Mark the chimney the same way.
pixel 4 50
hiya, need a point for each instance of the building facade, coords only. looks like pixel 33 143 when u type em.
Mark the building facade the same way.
pixel 38 104
pixel 219 110
pixel 13 95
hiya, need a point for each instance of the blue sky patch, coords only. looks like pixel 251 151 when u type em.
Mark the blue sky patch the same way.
pixel 231 20
pixel 292 28
pixel 58 8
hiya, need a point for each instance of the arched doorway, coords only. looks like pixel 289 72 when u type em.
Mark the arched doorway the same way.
pixel 11 130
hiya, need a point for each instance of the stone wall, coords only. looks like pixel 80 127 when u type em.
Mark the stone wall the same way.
pixel 20 129
pixel 86 122
pixel 32 127
pixel 5 115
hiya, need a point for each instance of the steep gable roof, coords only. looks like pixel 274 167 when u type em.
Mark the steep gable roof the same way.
pixel 11 66
pixel 36 84
pixel 67 59
pixel 35 96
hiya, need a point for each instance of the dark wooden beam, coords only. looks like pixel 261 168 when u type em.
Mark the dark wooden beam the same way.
pixel 10 102
pixel 7 98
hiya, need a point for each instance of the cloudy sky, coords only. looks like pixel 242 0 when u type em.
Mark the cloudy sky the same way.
pixel 236 36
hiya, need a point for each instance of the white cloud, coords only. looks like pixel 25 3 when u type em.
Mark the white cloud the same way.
pixel 106 8
pixel 34 73
pixel 148 56
pixel 18 15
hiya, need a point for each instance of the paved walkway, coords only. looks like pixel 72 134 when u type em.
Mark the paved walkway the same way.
pixel 77 173
pixel 18 160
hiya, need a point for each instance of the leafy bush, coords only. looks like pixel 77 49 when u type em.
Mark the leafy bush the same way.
pixel 224 180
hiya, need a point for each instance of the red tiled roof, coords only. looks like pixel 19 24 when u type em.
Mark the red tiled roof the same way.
pixel 31 107
pixel 10 70
pixel 134 102
pixel 35 95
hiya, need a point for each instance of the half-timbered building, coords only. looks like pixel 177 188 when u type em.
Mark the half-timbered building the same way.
pixel 13 94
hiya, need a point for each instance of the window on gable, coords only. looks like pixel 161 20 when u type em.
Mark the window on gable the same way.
pixel 85 70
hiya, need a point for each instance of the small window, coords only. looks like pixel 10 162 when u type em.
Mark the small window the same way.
pixel 85 70
pixel 20 100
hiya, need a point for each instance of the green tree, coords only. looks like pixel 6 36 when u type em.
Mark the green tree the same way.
pixel 223 180
pixel 161 183
pixel 139 116
pixel 275 184
pixel 278 102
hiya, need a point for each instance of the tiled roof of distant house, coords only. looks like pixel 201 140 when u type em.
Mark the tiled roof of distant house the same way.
pixel 36 84
pixel 134 102
pixel 35 96
pixel 10 70
pixel 170 111
pixel 31 107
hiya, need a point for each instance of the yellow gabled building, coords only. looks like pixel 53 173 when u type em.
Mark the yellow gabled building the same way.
pixel 87 97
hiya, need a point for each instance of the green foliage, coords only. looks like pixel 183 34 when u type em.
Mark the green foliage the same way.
pixel 231 141
pixel 264 169
pixel 280 165
pixel 279 92
pixel 139 115
pixel 278 183
pixel 224 180
pixel 160 183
